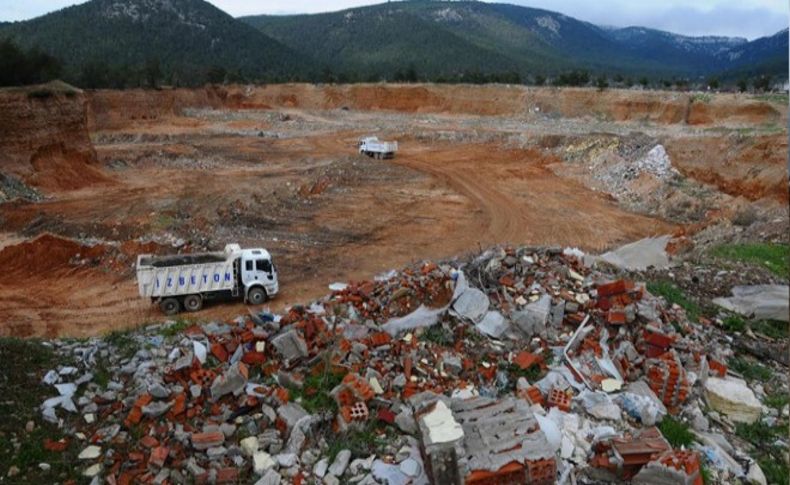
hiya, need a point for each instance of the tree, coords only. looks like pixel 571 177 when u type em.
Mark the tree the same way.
pixel 216 75
pixel 644 82
pixel 539 80
pixel 410 76
pixel 18 67
pixel 762 83
pixel 742 85
pixel 94 75
pixel 713 83
pixel 601 83
pixel 153 72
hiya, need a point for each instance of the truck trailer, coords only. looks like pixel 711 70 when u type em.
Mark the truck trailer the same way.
pixel 185 281
pixel 373 147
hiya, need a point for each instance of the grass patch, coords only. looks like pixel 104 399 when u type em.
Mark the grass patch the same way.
pixel 769 457
pixel 775 470
pixel 124 342
pixel 757 433
pixel 24 364
pixel 314 393
pixel 701 98
pixel 676 432
pixel 361 442
pixel 774 257
pixel 734 323
pixel 438 335
pixel 777 98
pixel 770 328
pixel 777 401
pixel 751 371
pixel 673 294
pixel 175 328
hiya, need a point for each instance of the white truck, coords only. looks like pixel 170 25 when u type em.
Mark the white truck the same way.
pixel 373 147
pixel 187 280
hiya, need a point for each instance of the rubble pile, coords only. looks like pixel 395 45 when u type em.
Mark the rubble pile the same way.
pixel 520 365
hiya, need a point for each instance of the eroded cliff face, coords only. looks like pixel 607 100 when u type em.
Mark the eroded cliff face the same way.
pixel 44 140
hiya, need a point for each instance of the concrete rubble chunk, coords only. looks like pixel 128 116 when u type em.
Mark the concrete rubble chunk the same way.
pixel 771 302
pixel 493 324
pixel 733 398
pixel 338 466
pixel 271 477
pixel 231 382
pixel 291 413
pixel 290 345
pixel 533 318
pixel 472 304
pixel 640 255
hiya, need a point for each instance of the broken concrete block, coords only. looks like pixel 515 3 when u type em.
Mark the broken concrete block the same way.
pixel 338 467
pixel 533 318
pixel 291 413
pixel 493 324
pixel 231 382
pixel 770 302
pixel 270 478
pixel 472 304
pixel 290 345
pixel 733 398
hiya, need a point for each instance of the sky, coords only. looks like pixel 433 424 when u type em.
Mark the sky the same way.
pixel 742 18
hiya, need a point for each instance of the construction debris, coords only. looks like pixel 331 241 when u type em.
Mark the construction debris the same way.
pixel 520 365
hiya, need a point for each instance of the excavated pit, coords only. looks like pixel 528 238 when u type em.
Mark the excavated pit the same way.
pixel 119 173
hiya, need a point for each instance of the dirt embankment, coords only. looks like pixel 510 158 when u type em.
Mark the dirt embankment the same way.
pixel 113 109
pixel 749 166
pixel 44 138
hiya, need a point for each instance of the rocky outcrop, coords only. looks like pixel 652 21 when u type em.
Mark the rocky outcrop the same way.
pixel 44 139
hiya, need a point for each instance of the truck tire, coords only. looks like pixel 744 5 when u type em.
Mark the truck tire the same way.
pixel 256 296
pixel 193 303
pixel 169 306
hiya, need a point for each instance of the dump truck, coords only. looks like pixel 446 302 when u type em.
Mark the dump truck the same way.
pixel 186 281
pixel 373 147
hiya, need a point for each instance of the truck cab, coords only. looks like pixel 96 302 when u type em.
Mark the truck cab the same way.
pixel 257 272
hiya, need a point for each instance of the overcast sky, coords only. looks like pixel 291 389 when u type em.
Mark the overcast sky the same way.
pixel 744 18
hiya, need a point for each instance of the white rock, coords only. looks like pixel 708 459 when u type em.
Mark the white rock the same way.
pixel 733 398
pixel 92 470
pixel 410 467
pixel 321 467
pixel 90 453
pixel 262 461
pixel 442 427
pixel 338 467
pixel 249 445
pixel 756 475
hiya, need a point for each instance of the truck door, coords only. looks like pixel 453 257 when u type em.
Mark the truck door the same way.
pixel 248 273
pixel 264 269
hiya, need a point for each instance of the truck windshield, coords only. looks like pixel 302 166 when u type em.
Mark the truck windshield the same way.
pixel 263 265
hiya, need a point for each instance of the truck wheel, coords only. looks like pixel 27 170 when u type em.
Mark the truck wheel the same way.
pixel 256 296
pixel 193 303
pixel 169 306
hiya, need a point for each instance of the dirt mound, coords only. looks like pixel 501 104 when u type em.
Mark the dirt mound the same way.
pixel 46 255
pixel 56 167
